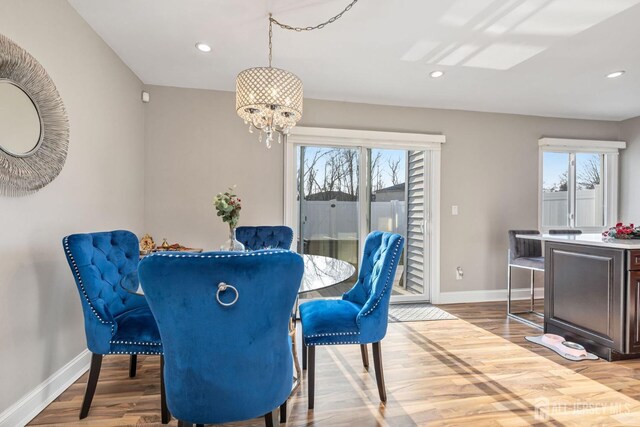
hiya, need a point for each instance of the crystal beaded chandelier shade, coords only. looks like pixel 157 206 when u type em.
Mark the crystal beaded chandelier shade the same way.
pixel 270 99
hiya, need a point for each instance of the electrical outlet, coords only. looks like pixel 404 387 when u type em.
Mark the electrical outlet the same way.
pixel 454 210
pixel 459 273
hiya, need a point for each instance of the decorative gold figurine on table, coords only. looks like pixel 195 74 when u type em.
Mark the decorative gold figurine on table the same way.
pixel 147 244
pixel 165 245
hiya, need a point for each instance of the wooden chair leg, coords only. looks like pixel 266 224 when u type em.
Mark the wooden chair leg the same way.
pixel 92 382
pixel 304 355
pixel 268 419
pixel 283 412
pixel 133 363
pixel 164 409
pixel 184 424
pixel 311 375
pixel 365 355
pixel 377 363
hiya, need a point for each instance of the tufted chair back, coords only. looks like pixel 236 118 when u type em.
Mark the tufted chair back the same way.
pixel 98 262
pixel 224 363
pixel 382 252
pixel 265 237
pixel 527 248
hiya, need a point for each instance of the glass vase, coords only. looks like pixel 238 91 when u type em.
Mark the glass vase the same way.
pixel 232 244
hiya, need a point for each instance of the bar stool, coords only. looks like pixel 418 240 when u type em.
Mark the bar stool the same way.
pixel 525 254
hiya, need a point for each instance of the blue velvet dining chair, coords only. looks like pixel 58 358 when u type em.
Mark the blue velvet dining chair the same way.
pixel 115 321
pixel 265 237
pixel 224 322
pixel 360 317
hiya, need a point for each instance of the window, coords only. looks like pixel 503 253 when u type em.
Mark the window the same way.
pixel 342 184
pixel 578 184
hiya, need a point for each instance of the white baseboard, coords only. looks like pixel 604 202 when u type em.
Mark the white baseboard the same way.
pixel 485 296
pixel 26 409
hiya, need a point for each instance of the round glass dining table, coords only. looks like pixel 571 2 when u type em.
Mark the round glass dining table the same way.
pixel 319 272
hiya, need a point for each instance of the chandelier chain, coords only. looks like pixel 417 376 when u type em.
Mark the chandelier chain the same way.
pixel 320 26
pixel 315 27
pixel 270 37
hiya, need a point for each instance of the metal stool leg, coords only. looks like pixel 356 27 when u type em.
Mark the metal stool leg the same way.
pixel 508 289
pixel 514 315
pixel 532 288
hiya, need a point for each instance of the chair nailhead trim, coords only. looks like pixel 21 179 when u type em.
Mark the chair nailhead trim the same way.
pixel 331 343
pixel 76 272
pixel 135 352
pixel 395 254
pixel 135 342
pixel 243 254
pixel 332 334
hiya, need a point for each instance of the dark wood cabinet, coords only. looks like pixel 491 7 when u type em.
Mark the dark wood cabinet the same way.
pixel 592 292
pixel 633 313
pixel 585 295
pixel 634 260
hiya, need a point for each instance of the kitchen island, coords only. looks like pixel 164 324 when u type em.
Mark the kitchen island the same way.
pixel 592 292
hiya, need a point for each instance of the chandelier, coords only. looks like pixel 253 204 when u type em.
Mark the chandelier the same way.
pixel 269 99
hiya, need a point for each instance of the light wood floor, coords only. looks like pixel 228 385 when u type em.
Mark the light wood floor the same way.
pixel 477 370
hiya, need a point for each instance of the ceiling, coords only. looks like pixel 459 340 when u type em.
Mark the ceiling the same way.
pixel 538 57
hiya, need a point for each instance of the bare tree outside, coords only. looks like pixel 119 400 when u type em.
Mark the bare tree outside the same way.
pixel 332 171
pixel 376 173
pixel 394 168
pixel 589 174
pixel 587 177
pixel 311 172
pixel 349 165
pixel 560 185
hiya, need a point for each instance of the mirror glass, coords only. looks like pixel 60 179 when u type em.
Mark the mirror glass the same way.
pixel 19 120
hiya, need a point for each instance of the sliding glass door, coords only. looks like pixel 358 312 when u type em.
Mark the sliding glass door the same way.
pixel 329 207
pixel 343 193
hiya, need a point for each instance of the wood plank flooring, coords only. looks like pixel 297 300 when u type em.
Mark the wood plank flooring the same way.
pixel 477 370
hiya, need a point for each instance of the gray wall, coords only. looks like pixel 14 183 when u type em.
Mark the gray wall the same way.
pixel 100 187
pixel 630 172
pixel 197 146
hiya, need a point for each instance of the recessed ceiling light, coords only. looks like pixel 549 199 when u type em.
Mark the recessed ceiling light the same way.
pixel 436 74
pixel 615 74
pixel 203 47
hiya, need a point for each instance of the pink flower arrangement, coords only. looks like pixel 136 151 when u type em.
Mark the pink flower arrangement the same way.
pixel 623 231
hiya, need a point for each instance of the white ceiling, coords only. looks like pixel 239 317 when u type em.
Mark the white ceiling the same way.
pixel 539 57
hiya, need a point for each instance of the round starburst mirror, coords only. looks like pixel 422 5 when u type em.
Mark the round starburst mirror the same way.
pixel 34 128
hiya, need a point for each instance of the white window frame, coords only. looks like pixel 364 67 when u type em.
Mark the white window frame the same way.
pixel 611 150
pixel 381 140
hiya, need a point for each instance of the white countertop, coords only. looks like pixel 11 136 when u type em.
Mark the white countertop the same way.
pixel 584 239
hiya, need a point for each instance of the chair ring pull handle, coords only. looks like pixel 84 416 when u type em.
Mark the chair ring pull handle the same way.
pixel 222 287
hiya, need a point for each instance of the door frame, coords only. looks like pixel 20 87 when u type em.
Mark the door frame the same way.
pixel 329 137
